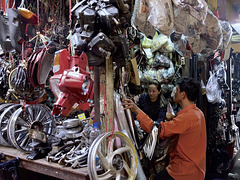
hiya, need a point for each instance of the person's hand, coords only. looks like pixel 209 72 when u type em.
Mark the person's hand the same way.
pixel 129 104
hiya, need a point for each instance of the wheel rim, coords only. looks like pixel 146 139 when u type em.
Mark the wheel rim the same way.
pixel 4 118
pixel 4 106
pixel 21 122
pixel 116 162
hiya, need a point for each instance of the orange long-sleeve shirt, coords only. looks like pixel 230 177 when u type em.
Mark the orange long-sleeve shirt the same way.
pixel 188 161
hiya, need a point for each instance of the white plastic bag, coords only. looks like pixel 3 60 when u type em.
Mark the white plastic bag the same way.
pixel 213 90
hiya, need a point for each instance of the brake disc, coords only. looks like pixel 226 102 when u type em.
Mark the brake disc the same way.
pixel 117 156
pixel 4 118
pixel 21 122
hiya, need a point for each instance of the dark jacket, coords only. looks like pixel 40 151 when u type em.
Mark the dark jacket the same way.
pixel 152 109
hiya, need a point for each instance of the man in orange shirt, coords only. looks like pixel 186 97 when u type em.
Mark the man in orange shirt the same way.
pixel 188 160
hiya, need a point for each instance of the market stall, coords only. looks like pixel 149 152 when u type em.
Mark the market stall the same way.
pixel 66 66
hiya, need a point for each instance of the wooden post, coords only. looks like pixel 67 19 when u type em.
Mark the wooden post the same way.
pixel 109 91
pixel 96 94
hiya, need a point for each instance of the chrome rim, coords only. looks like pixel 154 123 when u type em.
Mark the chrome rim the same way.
pixel 21 122
pixel 117 156
pixel 4 118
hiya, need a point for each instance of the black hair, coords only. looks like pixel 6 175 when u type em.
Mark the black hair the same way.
pixel 190 86
pixel 156 83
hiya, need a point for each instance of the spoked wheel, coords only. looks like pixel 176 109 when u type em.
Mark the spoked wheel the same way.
pixel 117 155
pixel 23 119
pixel 4 106
pixel 4 118
pixel 32 95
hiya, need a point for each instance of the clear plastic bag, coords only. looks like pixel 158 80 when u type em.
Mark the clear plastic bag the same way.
pixel 210 39
pixel 200 8
pixel 161 15
pixel 196 43
pixel 203 87
pixel 139 18
pixel 227 34
pixel 185 20
pixel 161 61
pixel 180 44
pixel 211 34
pixel 166 74
pixel 170 112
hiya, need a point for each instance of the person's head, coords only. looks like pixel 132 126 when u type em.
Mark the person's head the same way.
pixel 187 87
pixel 154 89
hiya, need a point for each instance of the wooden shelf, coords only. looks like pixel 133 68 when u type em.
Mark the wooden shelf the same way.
pixel 43 167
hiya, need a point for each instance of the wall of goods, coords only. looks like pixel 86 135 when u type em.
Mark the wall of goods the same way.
pixel 50 51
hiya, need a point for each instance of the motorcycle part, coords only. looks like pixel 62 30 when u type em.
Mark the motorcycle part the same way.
pixel 44 67
pixel 16 28
pixel 76 88
pixel 108 16
pixel 3 80
pixel 72 123
pixel 101 45
pixel 117 155
pixel 4 118
pixel 5 41
pixel 28 15
pixel 150 144
pixel 24 88
pixel 40 150
pixel 21 122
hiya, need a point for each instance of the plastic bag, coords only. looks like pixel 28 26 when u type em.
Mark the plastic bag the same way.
pixel 167 47
pixel 158 41
pixel 139 18
pixel 147 43
pixel 148 53
pixel 185 22
pixel 161 61
pixel 211 34
pixel 227 34
pixel 238 116
pixel 196 43
pixel 180 44
pixel 200 7
pixel 212 89
pixel 161 15
pixel 170 113
pixel 203 87
pixel 210 39
pixel 166 74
